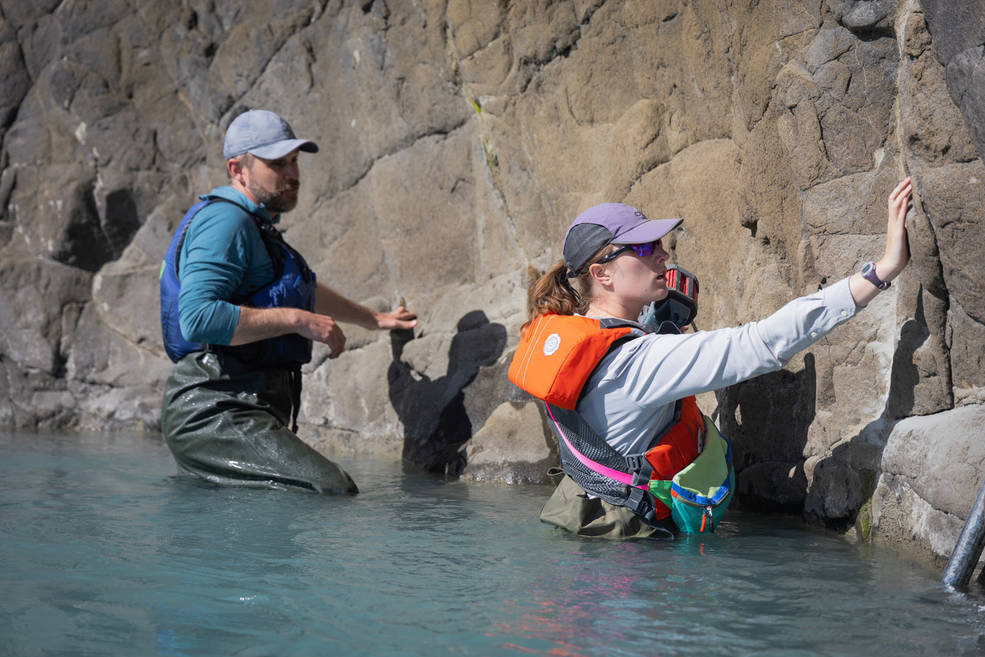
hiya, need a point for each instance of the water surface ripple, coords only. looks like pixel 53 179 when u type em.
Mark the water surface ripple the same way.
pixel 105 550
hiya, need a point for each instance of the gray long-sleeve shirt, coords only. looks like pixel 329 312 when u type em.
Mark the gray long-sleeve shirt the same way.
pixel 631 393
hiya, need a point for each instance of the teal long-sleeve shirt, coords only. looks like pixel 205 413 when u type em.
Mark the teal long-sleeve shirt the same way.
pixel 223 260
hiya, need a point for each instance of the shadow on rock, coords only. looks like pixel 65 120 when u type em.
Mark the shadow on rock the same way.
pixel 436 423
pixel 906 376
pixel 844 480
pixel 767 420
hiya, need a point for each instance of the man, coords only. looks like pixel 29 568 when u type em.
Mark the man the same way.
pixel 239 311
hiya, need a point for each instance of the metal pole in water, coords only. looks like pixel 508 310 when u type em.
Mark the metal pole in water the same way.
pixel 968 549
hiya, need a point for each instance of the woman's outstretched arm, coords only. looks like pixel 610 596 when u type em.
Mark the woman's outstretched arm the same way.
pixel 657 369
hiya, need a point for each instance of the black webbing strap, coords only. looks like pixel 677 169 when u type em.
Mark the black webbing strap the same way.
pixel 295 375
pixel 640 502
pixel 640 468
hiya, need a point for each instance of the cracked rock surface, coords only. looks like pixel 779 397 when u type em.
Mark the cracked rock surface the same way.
pixel 458 139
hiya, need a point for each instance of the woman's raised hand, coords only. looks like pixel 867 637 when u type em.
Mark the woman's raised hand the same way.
pixel 897 253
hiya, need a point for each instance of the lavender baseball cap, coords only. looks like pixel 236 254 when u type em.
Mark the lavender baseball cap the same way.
pixel 609 223
pixel 264 134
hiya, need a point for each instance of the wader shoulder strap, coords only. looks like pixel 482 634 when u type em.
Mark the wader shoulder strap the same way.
pixel 272 239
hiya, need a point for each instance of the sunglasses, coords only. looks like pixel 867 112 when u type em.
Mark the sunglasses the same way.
pixel 639 250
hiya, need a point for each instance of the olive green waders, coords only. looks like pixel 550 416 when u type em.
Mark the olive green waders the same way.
pixel 229 423
pixel 572 509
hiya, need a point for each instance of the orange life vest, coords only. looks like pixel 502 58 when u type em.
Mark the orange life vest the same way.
pixel 555 357
pixel 557 354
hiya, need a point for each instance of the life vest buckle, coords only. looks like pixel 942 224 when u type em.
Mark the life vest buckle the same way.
pixel 640 502
pixel 640 468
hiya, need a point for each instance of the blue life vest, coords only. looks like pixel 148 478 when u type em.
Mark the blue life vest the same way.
pixel 293 287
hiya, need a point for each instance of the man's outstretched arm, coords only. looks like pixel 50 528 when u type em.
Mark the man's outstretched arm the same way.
pixel 331 303
pixel 261 323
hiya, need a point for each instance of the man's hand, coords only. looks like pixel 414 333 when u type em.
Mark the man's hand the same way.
pixel 262 323
pixel 398 318
pixel 331 303
pixel 322 328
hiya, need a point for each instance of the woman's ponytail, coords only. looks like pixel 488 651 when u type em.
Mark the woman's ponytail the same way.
pixel 554 293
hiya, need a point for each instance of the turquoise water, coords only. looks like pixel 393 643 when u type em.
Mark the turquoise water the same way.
pixel 104 550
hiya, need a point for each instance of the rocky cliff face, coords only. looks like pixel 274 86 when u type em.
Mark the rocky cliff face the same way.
pixel 458 140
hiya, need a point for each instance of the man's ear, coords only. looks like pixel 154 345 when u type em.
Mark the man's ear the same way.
pixel 234 167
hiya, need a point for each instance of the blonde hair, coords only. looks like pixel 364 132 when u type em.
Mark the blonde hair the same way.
pixel 553 291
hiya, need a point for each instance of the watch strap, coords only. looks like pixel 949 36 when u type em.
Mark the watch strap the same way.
pixel 869 274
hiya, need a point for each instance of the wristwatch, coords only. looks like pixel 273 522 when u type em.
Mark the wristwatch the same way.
pixel 869 273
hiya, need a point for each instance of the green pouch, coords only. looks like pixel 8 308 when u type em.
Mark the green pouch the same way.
pixel 699 494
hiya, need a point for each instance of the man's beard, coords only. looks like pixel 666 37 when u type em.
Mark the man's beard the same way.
pixel 278 201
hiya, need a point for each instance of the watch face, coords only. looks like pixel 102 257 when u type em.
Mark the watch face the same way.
pixel 869 273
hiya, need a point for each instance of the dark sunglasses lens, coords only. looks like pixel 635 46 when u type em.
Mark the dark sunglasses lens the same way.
pixel 643 250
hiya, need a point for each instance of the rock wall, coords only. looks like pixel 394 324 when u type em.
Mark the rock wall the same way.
pixel 458 140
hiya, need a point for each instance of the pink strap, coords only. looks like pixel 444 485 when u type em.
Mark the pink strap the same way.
pixel 621 477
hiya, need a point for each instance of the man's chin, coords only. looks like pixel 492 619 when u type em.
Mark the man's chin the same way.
pixel 281 205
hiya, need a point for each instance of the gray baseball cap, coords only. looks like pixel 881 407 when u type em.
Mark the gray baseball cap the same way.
pixel 609 223
pixel 264 134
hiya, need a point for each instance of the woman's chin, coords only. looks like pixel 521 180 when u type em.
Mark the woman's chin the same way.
pixel 660 295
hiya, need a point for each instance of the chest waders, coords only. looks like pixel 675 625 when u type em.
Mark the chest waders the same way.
pixel 229 414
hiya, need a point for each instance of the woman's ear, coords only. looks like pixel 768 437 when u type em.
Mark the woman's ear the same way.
pixel 599 273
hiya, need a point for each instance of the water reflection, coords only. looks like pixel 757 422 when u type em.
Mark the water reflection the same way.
pixel 106 551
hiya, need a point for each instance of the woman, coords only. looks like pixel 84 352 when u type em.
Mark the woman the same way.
pixel 629 394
